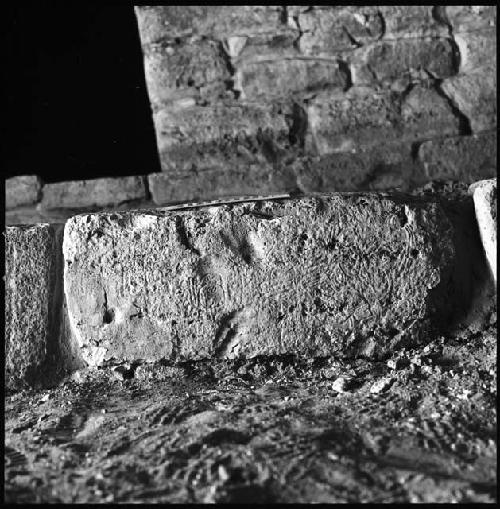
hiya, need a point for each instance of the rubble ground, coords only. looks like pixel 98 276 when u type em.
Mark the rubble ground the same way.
pixel 416 427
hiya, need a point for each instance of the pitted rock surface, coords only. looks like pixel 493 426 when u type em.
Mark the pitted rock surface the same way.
pixel 30 300
pixel 312 276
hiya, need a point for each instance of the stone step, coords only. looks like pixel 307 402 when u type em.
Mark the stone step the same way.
pixel 333 274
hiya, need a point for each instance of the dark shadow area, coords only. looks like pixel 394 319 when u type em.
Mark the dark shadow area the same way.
pixel 76 99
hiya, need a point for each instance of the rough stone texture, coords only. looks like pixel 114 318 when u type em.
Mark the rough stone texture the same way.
pixel 93 193
pixel 408 21
pixel 468 18
pixel 31 300
pixel 171 21
pixel 485 204
pixel 477 49
pixel 382 167
pixel 23 190
pixel 464 158
pixel 186 134
pixel 475 95
pixel 388 61
pixel 283 77
pixel 326 32
pixel 191 69
pixel 233 85
pixel 315 276
pixel 214 183
pixel 362 118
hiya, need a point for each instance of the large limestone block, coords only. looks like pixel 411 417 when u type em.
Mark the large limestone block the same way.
pixel 23 190
pixel 312 276
pixel 485 204
pixel 93 193
pixel 31 301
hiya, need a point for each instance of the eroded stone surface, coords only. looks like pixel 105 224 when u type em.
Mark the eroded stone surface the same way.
pixel 217 182
pixel 313 277
pixel 363 118
pixel 171 21
pixel 30 301
pixel 177 71
pixel 475 95
pixel 282 77
pixel 477 49
pixel 388 61
pixel 23 190
pixel 461 158
pixel 485 204
pixel 186 135
pixel 93 193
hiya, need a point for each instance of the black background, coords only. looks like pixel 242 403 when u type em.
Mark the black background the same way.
pixel 76 104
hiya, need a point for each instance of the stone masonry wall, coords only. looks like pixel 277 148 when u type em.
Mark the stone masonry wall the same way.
pixel 263 99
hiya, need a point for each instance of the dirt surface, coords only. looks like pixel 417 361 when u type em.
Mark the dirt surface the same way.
pixel 417 427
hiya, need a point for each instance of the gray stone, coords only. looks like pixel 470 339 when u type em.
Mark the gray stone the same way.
pixel 93 193
pixel 186 134
pixel 485 204
pixel 411 21
pixel 177 71
pixel 312 277
pixel 31 301
pixel 463 158
pixel 475 95
pixel 468 18
pixel 283 77
pixel 23 190
pixel 215 21
pixel 477 49
pixel 387 61
pixel 219 182
pixel 325 32
pixel 263 47
pixel 362 118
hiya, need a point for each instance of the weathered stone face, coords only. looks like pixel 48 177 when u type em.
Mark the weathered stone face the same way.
pixel 313 277
pixel 31 301
pixel 92 193
pixel 23 190
pixel 362 119
pixel 460 158
pixel 485 204
pixel 318 81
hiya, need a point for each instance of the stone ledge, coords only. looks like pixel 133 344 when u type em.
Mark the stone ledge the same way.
pixel 316 276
